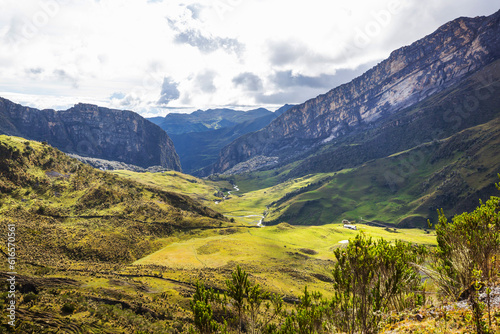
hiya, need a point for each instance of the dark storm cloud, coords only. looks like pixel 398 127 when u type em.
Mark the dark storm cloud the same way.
pixel 65 76
pixel 248 81
pixel 290 52
pixel 286 79
pixel 169 91
pixel 206 44
pixel 205 81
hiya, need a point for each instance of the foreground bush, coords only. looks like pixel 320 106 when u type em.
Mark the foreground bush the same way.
pixel 466 256
pixel 372 277
pixel 470 241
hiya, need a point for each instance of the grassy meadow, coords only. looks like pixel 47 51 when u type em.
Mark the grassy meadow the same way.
pixel 283 258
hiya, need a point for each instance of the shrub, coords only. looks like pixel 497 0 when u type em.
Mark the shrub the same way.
pixel 202 310
pixel 30 296
pixel 369 278
pixel 68 308
pixel 237 288
pixel 466 256
pixel 470 241
pixel 307 317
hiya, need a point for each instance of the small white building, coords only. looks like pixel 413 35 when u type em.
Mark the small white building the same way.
pixel 347 224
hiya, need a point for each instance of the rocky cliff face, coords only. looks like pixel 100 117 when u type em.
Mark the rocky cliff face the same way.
pixel 409 75
pixel 92 131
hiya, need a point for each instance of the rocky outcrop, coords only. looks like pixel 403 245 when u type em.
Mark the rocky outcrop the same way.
pixel 91 131
pixel 410 75
pixel 252 164
pixel 116 165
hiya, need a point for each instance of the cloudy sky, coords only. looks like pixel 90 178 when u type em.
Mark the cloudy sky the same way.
pixel 156 57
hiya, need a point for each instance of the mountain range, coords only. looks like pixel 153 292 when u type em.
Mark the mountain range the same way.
pixel 121 139
pixel 205 120
pixel 199 136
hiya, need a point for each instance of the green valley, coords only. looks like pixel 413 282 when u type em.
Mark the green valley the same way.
pixel 372 207
pixel 115 252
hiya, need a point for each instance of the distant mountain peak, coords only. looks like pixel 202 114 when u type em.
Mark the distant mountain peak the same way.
pixel 205 120
pixel 199 136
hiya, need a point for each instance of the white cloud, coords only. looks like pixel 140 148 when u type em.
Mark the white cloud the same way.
pixel 212 53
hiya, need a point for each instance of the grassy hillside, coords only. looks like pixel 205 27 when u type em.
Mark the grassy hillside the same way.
pixel 120 252
pixel 205 191
pixel 440 153
pixel 76 212
pixel 246 205
pixel 282 258
pixel 405 188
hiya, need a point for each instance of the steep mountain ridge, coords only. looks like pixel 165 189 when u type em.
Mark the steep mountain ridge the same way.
pixel 473 101
pixel 411 74
pixel 92 131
